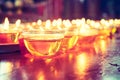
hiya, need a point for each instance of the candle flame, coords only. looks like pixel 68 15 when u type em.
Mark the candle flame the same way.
pixel 54 23
pixel 59 23
pixel 6 24
pixel 18 22
pixel 48 24
pixel 67 24
pixel 33 24
pixel 39 22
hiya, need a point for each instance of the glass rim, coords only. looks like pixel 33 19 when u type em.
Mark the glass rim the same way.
pixel 43 35
pixel 44 32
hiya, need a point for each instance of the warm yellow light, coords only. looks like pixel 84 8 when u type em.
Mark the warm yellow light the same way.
pixel 81 60
pixel 48 24
pixel 31 59
pixel 18 22
pixel 111 21
pixel 79 22
pixel 70 57
pixel 103 45
pixel 59 22
pixel 81 63
pixel 6 24
pixel 85 30
pixel 73 21
pixel 113 30
pixel 41 76
pixel 67 23
pixel 33 23
pixel 39 22
pixel 47 61
pixel 54 23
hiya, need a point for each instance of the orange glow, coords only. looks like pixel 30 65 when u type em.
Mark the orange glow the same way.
pixel 8 32
pixel 105 32
pixel 59 24
pixel 101 45
pixel 41 76
pixel 56 73
pixel 31 59
pixel 113 30
pixel 70 57
pixel 28 46
pixel 81 63
pixel 47 61
pixel 86 30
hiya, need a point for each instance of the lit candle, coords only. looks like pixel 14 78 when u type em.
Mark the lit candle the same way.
pixel 71 36
pixel 9 33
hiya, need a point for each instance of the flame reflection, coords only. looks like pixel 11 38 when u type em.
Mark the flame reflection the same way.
pixel 81 63
pixel 41 76
pixel 101 45
pixel 5 67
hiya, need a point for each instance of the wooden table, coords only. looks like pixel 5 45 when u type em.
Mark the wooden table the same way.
pixel 87 64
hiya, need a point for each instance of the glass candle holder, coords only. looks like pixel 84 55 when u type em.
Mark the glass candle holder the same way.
pixel 42 44
pixel 9 36
pixel 70 40
pixel 9 39
pixel 87 38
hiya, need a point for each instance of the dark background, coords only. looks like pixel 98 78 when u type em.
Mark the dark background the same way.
pixel 93 9
pixel 31 10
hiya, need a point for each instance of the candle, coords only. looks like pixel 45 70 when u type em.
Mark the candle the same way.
pixel 42 43
pixel 71 36
pixel 9 32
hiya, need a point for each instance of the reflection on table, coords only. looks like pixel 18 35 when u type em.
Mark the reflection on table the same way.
pixel 90 61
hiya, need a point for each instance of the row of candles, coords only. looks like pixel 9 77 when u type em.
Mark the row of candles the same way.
pixel 82 24
pixel 48 38
pixel 67 34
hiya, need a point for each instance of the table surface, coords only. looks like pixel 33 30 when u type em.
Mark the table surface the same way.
pixel 101 62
